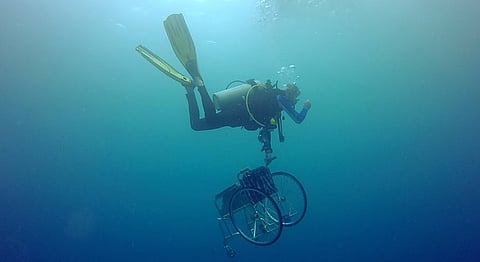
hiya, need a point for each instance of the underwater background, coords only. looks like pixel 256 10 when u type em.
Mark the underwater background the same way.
pixel 98 161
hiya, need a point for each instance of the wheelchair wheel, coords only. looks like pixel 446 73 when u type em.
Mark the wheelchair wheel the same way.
pixel 255 216
pixel 290 198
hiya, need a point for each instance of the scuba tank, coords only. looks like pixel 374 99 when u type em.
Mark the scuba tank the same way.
pixel 232 97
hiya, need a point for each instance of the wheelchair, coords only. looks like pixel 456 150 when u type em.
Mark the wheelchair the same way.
pixel 259 206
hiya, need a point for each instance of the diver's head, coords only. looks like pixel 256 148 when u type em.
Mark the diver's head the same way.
pixel 292 92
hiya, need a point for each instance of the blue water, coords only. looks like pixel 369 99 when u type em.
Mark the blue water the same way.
pixel 98 161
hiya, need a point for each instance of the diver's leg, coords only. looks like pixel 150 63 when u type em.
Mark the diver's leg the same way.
pixel 192 108
pixel 196 123
pixel 208 106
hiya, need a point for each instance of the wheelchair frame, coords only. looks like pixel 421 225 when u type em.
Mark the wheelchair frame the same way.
pixel 259 205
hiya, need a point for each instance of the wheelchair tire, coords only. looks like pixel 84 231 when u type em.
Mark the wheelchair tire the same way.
pixel 290 198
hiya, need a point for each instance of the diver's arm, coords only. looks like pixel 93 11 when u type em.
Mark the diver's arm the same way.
pixel 289 107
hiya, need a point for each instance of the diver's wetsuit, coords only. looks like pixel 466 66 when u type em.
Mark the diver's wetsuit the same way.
pixel 232 118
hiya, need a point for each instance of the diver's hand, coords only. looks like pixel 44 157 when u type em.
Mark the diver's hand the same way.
pixel 307 105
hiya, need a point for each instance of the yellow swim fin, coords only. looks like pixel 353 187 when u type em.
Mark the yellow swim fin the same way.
pixel 163 66
pixel 182 43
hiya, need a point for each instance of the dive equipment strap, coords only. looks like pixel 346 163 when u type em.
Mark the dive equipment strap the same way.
pixel 281 137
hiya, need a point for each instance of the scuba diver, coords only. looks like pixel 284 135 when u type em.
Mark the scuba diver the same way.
pixel 251 105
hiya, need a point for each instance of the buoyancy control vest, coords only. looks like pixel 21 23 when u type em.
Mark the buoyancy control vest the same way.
pixel 254 102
